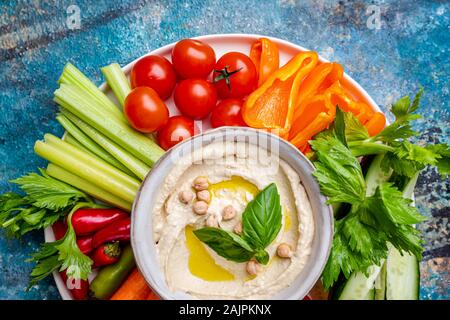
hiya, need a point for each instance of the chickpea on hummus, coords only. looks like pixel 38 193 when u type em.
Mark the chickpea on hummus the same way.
pixel 212 189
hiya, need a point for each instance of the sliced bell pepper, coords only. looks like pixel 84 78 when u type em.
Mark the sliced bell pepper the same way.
pixel 376 124
pixel 320 79
pixel 320 115
pixel 271 106
pixel 265 55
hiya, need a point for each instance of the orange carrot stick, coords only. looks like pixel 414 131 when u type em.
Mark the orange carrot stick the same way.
pixel 134 288
pixel 152 296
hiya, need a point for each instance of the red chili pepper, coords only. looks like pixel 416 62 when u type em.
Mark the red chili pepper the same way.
pixel 59 229
pixel 105 254
pixel 87 221
pixel 117 231
pixel 85 244
pixel 78 290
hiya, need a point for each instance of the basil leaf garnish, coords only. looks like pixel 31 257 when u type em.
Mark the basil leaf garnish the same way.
pixel 225 244
pixel 261 224
pixel 261 219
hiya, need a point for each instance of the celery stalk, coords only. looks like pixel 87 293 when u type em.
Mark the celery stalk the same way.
pixel 71 140
pixel 117 81
pixel 75 101
pixel 71 75
pixel 95 162
pixel 136 166
pixel 90 144
pixel 91 189
pixel 85 170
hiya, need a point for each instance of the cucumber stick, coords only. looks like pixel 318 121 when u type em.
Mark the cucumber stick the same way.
pixel 402 276
pixel 359 286
pixel 402 271
pixel 380 284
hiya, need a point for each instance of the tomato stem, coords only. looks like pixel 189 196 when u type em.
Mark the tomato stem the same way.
pixel 225 74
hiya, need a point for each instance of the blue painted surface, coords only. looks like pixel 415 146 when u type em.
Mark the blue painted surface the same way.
pixel 409 49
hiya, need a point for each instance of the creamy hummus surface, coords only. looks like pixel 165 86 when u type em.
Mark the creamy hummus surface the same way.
pixel 235 178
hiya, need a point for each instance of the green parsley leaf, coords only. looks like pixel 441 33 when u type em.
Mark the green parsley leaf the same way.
pixel 47 192
pixel 403 107
pixel 45 202
pixel 442 156
pixel 261 219
pixel 338 171
pixel 62 254
pixel 226 244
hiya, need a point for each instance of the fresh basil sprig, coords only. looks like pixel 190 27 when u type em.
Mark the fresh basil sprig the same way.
pixel 261 222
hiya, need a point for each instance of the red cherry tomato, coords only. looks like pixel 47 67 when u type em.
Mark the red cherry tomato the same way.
pixel 177 129
pixel 193 59
pixel 155 72
pixel 240 72
pixel 145 110
pixel 195 98
pixel 227 113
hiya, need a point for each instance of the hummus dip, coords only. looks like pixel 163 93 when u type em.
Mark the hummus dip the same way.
pixel 236 173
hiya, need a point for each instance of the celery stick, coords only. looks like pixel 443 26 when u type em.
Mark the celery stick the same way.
pixel 90 144
pixel 85 171
pixel 93 161
pixel 71 75
pixel 139 168
pixel 71 140
pixel 73 99
pixel 117 81
pixel 91 189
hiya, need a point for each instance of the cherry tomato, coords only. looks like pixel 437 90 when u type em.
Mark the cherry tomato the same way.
pixel 145 110
pixel 195 98
pixel 227 113
pixel 177 129
pixel 235 75
pixel 155 72
pixel 193 59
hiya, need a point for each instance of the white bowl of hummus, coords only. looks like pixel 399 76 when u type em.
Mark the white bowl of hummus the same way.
pixel 214 182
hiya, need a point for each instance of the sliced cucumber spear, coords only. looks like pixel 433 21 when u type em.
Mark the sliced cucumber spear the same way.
pixel 402 271
pixel 360 287
pixel 402 276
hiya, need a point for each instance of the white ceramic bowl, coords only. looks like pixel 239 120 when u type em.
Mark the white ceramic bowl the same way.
pixel 142 239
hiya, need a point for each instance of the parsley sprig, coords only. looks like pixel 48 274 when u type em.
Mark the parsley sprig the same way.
pixel 403 156
pixel 46 200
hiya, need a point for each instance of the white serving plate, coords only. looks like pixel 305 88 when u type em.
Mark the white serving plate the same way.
pixel 221 43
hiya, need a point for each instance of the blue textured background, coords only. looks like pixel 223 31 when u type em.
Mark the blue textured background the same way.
pixel 410 48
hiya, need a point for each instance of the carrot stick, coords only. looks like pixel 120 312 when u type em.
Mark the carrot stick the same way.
pixel 152 296
pixel 134 288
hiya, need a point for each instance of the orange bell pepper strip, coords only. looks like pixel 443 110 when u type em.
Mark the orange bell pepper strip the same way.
pixel 321 113
pixel 271 106
pixel 266 57
pixel 354 93
pixel 319 80
pixel 376 124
